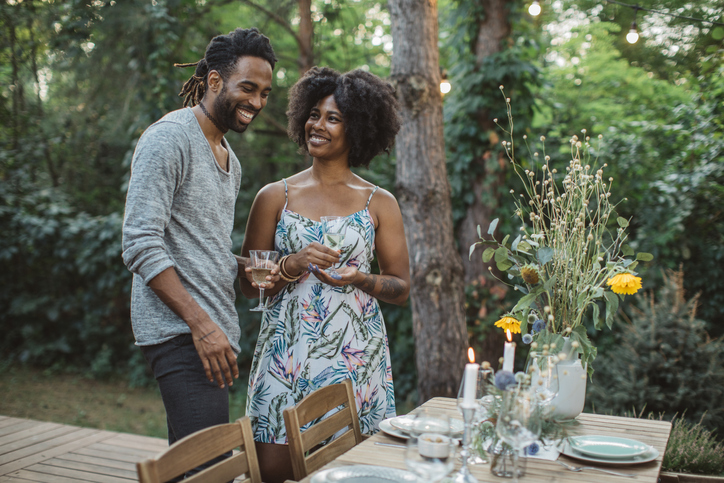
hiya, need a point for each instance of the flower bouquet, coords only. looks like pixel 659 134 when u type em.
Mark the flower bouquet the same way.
pixel 571 252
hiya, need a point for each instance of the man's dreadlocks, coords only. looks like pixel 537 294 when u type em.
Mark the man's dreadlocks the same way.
pixel 221 55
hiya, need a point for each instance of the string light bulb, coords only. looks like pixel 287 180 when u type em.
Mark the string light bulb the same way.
pixel 445 85
pixel 633 34
pixel 534 8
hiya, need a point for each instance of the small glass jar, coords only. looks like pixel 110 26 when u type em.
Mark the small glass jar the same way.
pixel 501 461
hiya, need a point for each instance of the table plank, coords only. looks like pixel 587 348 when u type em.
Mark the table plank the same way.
pixel 655 433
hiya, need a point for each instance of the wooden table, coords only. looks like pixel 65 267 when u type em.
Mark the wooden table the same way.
pixel 654 433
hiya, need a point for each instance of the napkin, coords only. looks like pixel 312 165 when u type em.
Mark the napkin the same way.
pixel 544 449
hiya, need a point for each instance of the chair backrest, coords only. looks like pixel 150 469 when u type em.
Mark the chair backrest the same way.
pixel 202 446
pixel 305 448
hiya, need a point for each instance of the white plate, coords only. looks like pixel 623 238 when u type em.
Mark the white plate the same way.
pixel 404 424
pixel 363 474
pixel 650 455
pixel 608 447
pixel 387 428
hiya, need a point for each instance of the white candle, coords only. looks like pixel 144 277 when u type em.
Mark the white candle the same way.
pixel 471 384
pixel 508 356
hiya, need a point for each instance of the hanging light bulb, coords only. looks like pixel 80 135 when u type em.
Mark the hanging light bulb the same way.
pixel 534 8
pixel 633 35
pixel 445 85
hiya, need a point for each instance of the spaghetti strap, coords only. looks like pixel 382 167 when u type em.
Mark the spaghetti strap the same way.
pixel 286 196
pixel 370 198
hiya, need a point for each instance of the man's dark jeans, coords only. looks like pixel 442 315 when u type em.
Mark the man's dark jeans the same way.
pixel 192 402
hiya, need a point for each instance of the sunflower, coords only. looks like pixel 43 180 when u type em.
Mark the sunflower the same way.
pixel 529 273
pixel 625 283
pixel 509 323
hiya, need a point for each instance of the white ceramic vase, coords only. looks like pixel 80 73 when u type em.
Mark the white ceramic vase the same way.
pixel 571 398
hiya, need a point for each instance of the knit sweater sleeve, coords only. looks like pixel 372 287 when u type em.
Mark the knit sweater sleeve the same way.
pixel 157 172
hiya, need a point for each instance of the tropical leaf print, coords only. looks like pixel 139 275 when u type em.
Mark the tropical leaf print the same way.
pixel 360 328
pixel 374 352
pixel 327 346
pixel 291 322
pixel 275 424
pixel 284 370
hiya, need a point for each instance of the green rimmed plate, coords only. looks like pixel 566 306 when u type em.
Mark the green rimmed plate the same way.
pixel 607 447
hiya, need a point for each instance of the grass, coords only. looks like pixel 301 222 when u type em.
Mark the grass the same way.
pixel 72 399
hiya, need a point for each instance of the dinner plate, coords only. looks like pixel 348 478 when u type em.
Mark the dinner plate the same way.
pixel 363 474
pixel 404 424
pixel 608 447
pixel 650 455
pixel 387 428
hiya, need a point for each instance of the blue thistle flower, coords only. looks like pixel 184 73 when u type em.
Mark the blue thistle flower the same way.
pixel 532 449
pixel 538 325
pixel 527 338
pixel 504 379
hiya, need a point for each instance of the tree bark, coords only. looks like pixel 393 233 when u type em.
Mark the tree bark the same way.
pixel 437 292
pixel 306 37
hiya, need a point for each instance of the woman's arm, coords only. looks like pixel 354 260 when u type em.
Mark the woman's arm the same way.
pixel 392 285
pixel 259 234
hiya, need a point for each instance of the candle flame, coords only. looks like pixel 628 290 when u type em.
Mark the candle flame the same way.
pixel 510 337
pixel 471 355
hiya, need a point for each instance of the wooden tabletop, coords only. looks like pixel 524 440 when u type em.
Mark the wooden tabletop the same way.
pixel 654 433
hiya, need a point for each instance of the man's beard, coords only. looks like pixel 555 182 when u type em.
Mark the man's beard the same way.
pixel 226 112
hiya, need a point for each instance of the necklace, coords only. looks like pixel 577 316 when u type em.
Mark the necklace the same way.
pixel 211 118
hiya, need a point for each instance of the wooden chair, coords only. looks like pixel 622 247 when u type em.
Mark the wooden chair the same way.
pixel 202 446
pixel 306 452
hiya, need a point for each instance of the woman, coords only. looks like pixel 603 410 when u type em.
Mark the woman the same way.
pixel 323 328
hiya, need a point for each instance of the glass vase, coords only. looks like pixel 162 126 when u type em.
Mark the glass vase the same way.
pixel 501 461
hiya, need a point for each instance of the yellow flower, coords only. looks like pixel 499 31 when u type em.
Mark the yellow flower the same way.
pixel 530 274
pixel 509 323
pixel 625 283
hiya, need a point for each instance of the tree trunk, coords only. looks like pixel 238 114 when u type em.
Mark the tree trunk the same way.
pixel 437 295
pixel 306 37
pixel 493 30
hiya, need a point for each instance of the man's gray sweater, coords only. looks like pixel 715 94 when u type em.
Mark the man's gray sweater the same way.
pixel 180 213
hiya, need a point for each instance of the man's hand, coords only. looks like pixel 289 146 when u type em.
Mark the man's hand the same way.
pixel 215 352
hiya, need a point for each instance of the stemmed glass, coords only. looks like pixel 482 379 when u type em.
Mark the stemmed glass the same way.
pixel 519 421
pixel 262 263
pixel 430 450
pixel 544 382
pixel 334 229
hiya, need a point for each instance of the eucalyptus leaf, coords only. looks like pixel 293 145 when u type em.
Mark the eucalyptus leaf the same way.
pixel 597 322
pixel 627 251
pixel 522 289
pixel 472 249
pixel 544 255
pixel 524 302
pixel 501 254
pixel 480 234
pixel 524 247
pixel 514 245
pixel 622 222
pixel 493 226
pixel 488 254
pixel 611 307
pixel 644 257
pixel 504 266
pixel 505 240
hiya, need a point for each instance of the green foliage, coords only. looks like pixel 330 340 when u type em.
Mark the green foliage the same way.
pixel 693 449
pixel 663 360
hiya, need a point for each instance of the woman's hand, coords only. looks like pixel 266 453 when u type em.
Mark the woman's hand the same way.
pixel 314 255
pixel 344 276
pixel 271 279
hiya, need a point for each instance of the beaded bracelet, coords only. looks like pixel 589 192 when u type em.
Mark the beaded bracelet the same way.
pixel 283 272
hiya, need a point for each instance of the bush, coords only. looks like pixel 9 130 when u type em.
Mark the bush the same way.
pixel 663 360
pixel 693 449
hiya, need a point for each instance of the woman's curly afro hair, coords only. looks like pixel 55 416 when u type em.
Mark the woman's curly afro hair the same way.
pixel 367 103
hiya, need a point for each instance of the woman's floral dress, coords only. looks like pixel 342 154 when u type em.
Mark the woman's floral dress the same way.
pixel 315 334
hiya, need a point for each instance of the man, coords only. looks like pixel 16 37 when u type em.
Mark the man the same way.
pixel 177 232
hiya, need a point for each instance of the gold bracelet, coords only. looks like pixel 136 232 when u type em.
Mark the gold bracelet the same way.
pixel 283 272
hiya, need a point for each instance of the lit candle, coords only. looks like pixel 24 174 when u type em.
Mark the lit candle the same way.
pixel 471 380
pixel 509 354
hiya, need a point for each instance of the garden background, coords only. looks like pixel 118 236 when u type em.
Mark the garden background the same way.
pixel 82 79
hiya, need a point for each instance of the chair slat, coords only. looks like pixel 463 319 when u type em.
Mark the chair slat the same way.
pixel 321 403
pixel 326 428
pixel 330 451
pixel 226 470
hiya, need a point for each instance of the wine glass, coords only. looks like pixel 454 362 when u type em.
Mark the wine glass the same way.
pixel 519 421
pixel 333 232
pixel 430 450
pixel 544 383
pixel 262 263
